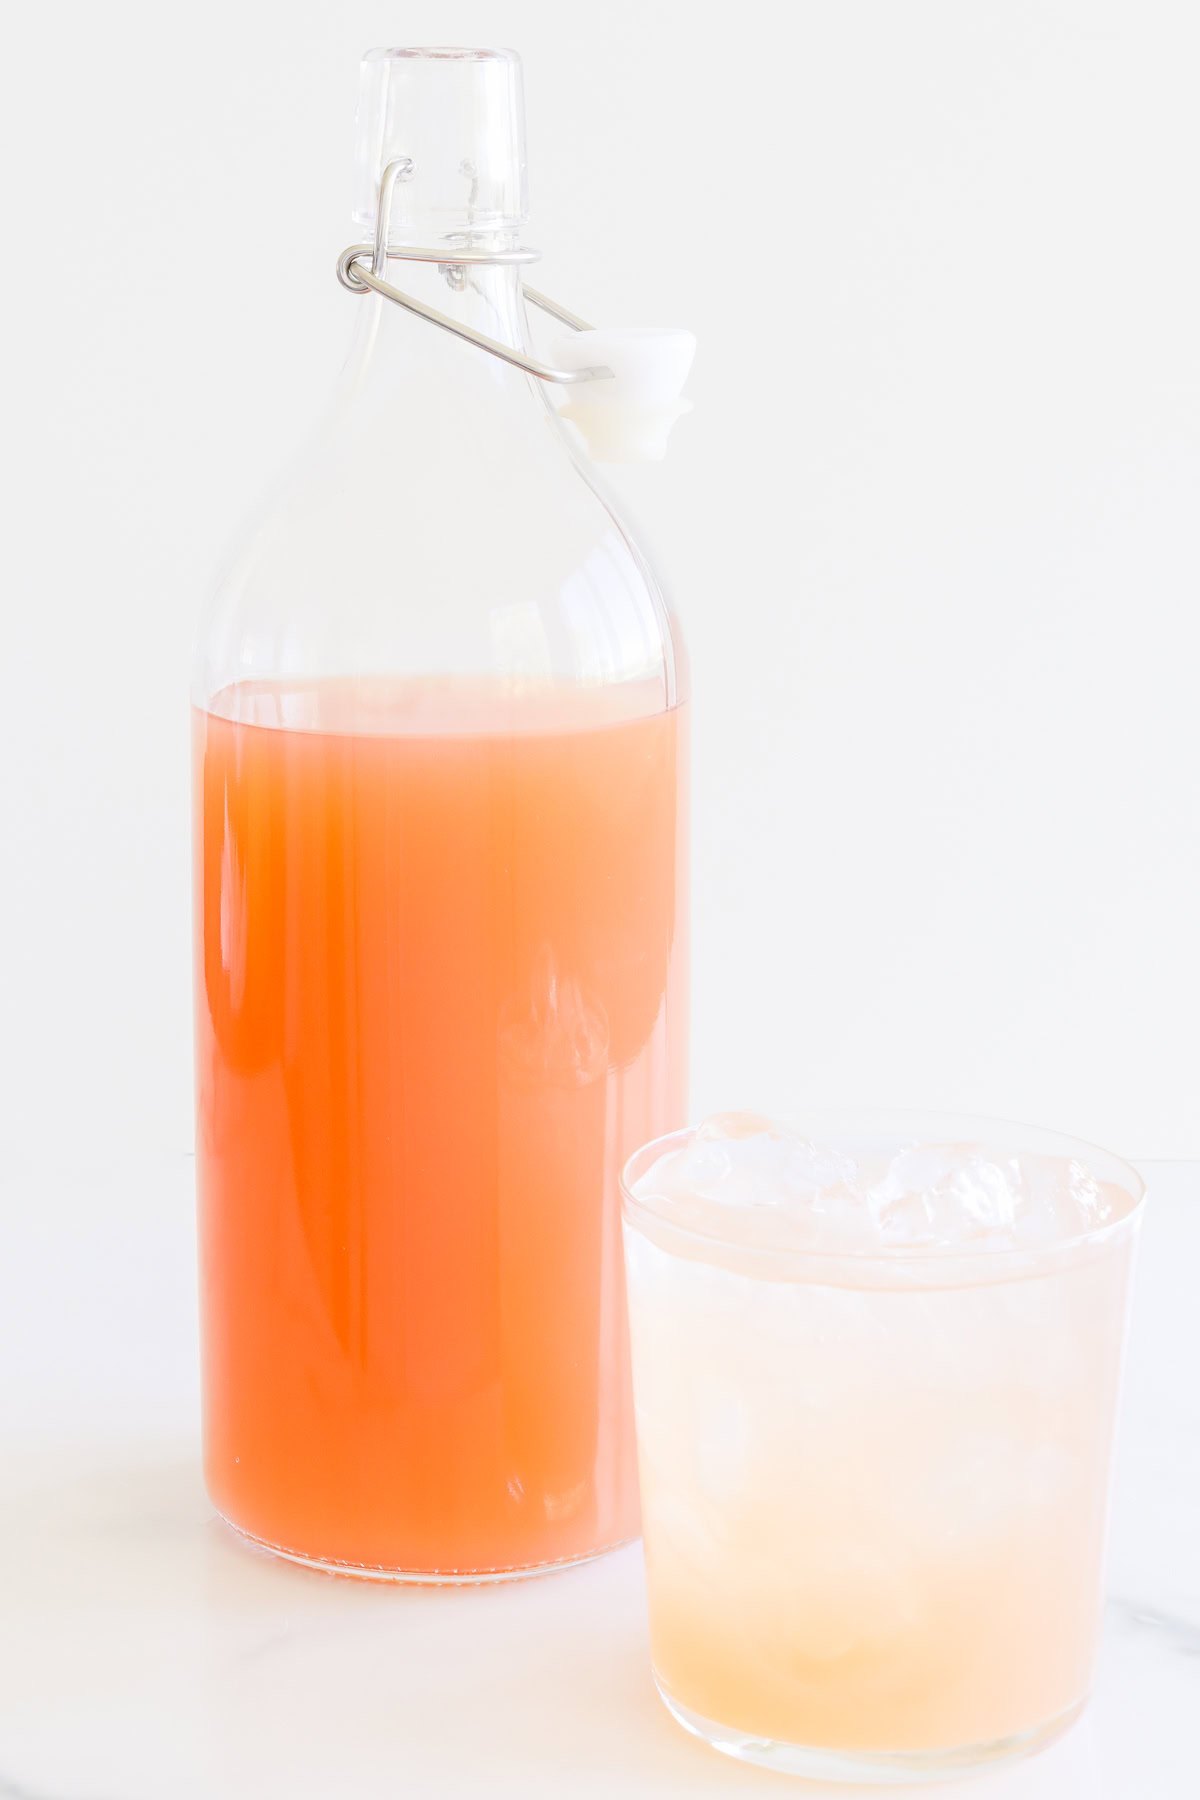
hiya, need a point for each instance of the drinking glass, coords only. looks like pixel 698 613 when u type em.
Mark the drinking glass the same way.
pixel 875 1462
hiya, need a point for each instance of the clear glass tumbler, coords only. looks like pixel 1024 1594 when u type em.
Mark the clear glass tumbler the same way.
pixel 874 1457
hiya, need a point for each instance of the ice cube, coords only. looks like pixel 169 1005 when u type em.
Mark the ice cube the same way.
pixel 1061 1197
pixel 926 1197
pixel 825 1605
pixel 722 1443
pixel 750 1165
pixel 945 1194
pixel 701 1170
pixel 736 1125
pixel 822 1177
pixel 730 1159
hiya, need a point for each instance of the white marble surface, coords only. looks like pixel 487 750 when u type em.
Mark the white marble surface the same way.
pixel 145 1655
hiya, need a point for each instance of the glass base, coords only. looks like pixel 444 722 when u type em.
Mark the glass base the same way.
pixel 892 1767
pixel 421 1577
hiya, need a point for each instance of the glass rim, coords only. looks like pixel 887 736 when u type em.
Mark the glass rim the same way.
pixel 1105 1164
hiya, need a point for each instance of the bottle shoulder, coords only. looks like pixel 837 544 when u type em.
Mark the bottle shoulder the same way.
pixel 451 542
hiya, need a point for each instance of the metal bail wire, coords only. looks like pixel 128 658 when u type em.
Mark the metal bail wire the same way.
pixel 355 274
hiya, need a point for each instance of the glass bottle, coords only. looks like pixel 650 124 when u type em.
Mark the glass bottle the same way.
pixel 441 921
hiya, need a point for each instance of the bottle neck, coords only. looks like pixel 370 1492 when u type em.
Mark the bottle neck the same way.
pixel 486 297
pixel 407 380
pixel 482 297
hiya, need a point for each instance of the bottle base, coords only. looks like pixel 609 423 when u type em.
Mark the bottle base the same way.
pixel 420 1577
pixel 881 1767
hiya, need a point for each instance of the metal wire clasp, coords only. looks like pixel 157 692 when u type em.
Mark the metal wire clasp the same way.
pixel 355 274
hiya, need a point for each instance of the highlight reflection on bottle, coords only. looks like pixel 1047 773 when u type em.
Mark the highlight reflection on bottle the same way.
pixel 550 1206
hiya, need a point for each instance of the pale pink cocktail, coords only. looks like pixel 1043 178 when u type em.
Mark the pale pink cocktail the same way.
pixel 875 1370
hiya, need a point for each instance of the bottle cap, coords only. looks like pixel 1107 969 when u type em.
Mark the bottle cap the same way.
pixel 628 418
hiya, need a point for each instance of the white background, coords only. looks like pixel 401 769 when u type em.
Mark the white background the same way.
pixel 933 527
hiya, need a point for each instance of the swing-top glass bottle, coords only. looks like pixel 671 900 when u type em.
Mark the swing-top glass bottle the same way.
pixel 441 919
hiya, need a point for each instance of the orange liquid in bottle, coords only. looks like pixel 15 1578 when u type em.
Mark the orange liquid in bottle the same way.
pixel 441 995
